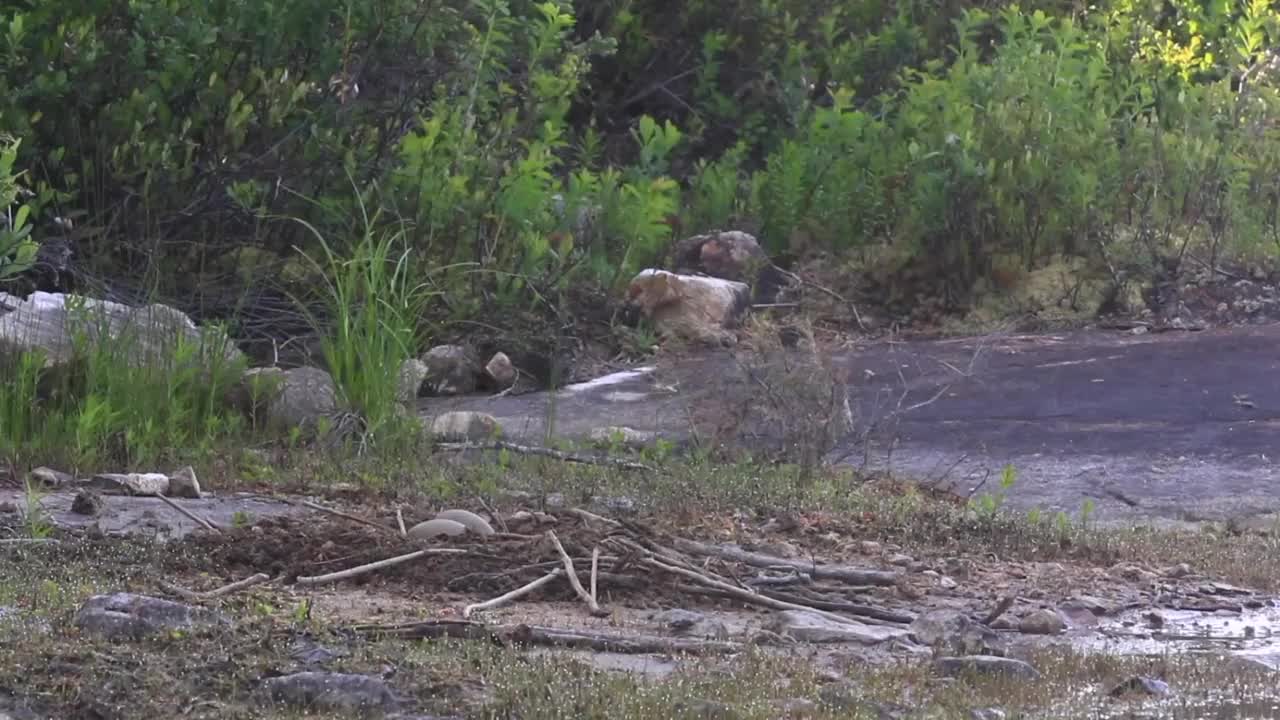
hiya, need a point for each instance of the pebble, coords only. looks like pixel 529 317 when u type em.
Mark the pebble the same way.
pixel 870 547
pixel 947 583
pixel 900 560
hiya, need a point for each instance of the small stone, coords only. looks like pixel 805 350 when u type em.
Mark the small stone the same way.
pixel 184 484
pixel 1180 570
pixel 985 665
pixel 870 547
pixel 465 426
pixel 413 373
pixel 7 507
pixel 501 371
pixel 987 714
pixel 49 478
pixel 87 502
pixel 679 620
pixel 130 483
pixel 1154 619
pixel 947 583
pixel 308 652
pixel 1140 685
pixel 900 560
pixel 451 370
pixel 1042 622
pixel 329 692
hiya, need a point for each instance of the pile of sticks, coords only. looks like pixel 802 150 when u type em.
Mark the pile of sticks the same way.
pixel 599 556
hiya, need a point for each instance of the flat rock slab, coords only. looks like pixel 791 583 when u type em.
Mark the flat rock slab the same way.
pixel 986 665
pixel 150 516
pixel 125 616
pixel 1171 427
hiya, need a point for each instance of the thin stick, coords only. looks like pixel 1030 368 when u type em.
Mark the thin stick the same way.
pixel 747 596
pixel 216 593
pixel 29 541
pixel 194 518
pixel 595 568
pixel 347 516
pixel 362 569
pixel 590 517
pixel 513 595
pixel 400 522
pixel 589 599
pixel 546 452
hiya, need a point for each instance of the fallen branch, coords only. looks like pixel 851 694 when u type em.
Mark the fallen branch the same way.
pixel 513 595
pixel 348 516
pixel 546 452
pixel 362 569
pixel 30 541
pixel 588 598
pixel 400 522
pixel 844 573
pixel 546 636
pixel 192 516
pixel 595 570
pixel 872 614
pixel 218 592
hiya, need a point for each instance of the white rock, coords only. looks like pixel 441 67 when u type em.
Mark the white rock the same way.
pixel 501 370
pixel 464 426
pixel 130 483
pixel 690 307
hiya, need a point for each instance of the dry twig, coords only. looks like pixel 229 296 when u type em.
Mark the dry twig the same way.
pixel 348 516
pixel 362 569
pixel 218 592
pixel 588 598
pixel 192 516
pixel 513 595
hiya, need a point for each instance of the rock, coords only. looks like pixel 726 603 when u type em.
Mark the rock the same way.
pixel 690 307
pixel 501 371
pixel 870 547
pixel 1180 570
pixel 952 632
pixel 287 399
pixel 985 665
pixel 1042 622
pixel 465 426
pixel 129 616
pixel 330 692
pixel 87 502
pixel 184 484
pixel 900 560
pixel 451 370
pixel 729 255
pixel 625 436
pixel 413 373
pixel 146 335
pixel 987 714
pixel 813 628
pixel 1140 685
pixel 436 528
pixel 471 521
pixel 130 483
pixel 49 478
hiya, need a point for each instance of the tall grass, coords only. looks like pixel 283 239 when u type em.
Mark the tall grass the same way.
pixel 374 312
pixel 124 397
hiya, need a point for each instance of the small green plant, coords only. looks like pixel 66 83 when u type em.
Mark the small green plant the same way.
pixel 35 518
pixel 987 507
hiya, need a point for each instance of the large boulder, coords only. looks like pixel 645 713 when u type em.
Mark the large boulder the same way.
pixel 147 335
pixel 690 307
